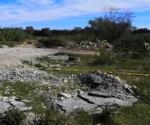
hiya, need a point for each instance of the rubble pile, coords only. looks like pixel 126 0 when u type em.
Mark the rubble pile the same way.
pixel 83 45
pixel 95 45
pixel 105 90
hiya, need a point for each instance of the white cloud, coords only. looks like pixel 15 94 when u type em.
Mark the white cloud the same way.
pixel 40 2
pixel 42 10
pixel 43 1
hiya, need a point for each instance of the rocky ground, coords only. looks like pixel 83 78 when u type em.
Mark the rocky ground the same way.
pixel 10 70
pixel 63 92
pixel 27 74
pixel 104 90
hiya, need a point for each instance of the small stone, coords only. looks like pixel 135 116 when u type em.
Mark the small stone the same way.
pixel 80 91
pixel 65 81
pixel 134 87
pixel 65 95
pixel 118 79
pixel 26 101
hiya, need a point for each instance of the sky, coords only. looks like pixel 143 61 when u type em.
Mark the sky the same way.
pixel 67 14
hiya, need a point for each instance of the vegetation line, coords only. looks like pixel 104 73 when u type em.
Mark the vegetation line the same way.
pixel 132 74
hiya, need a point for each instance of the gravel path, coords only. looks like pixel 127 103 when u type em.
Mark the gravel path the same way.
pixel 13 56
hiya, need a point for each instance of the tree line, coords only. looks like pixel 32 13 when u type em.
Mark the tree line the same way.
pixel 115 27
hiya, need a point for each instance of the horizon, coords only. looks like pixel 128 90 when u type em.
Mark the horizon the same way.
pixel 67 14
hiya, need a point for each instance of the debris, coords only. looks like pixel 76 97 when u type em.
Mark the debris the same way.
pixel 105 90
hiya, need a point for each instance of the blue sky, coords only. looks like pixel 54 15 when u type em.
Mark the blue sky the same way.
pixel 66 14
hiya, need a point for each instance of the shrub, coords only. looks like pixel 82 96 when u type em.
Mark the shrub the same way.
pixel 53 118
pixel 12 36
pixel 105 57
pixel 133 45
pixel 50 42
pixel 105 117
pixel 12 117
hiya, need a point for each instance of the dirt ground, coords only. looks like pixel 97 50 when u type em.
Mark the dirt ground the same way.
pixel 13 56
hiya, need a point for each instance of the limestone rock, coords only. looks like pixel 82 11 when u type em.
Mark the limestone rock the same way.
pixel 74 104
pixel 4 106
pixel 105 90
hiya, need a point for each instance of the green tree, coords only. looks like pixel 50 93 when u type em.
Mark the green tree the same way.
pixel 112 25
pixel 29 30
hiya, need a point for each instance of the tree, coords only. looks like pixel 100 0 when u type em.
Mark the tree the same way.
pixel 29 30
pixel 141 31
pixel 113 24
pixel 45 31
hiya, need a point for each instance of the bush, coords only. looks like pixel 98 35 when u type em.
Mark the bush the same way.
pixel 12 36
pixel 50 42
pixel 105 57
pixel 12 117
pixel 133 45
pixel 52 118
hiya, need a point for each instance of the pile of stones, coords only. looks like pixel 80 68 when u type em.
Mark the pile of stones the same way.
pixel 95 45
pixel 88 44
pixel 83 45
pixel 105 90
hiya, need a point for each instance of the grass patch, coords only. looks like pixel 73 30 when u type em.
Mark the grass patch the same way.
pixel 23 91
pixel 20 89
pixel 139 114
pixel 86 64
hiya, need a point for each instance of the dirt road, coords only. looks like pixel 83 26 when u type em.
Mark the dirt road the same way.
pixel 13 56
